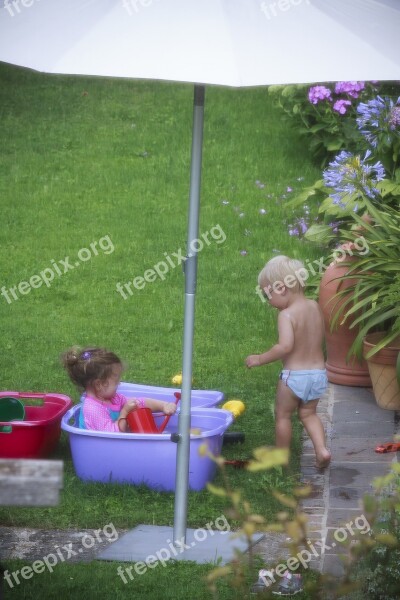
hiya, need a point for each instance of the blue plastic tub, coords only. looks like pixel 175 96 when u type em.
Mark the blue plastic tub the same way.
pixel 141 458
pixel 199 398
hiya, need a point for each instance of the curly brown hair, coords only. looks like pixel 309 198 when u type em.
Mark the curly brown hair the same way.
pixel 85 365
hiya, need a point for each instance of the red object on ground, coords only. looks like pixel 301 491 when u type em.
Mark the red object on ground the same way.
pixel 238 464
pixel 141 420
pixel 38 434
pixel 388 447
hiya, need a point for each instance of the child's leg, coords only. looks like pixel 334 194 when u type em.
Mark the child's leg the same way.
pixel 312 423
pixel 285 405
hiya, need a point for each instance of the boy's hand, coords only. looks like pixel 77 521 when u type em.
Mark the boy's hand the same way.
pixel 252 361
pixel 169 408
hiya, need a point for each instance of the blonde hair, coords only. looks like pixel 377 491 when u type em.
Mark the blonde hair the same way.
pixel 278 269
pixel 85 365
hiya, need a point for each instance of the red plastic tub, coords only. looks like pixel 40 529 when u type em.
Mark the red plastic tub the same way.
pixel 38 434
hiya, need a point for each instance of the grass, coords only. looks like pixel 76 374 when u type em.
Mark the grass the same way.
pixel 85 160
pixel 176 581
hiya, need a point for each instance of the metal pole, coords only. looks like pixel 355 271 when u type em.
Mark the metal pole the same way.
pixel 190 269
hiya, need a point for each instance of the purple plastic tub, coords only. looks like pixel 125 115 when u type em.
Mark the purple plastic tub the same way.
pixel 141 458
pixel 199 398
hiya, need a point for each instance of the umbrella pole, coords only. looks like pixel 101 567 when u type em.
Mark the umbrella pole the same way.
pixel 190 270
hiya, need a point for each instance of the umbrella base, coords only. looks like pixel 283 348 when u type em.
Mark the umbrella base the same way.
pixel 148 546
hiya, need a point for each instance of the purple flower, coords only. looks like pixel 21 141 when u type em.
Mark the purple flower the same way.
pixel 340 106
pixel 299 228
pixel 243 252
pixel 378 118
pixel 394 119
pixel 351 88
pixel 289 189
pixel 349 174
pixel 335 226
pixel 303 225
pixel 318 93
pixel 86 355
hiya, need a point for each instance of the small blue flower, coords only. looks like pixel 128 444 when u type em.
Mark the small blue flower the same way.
pixel 378 119
pixel 349 174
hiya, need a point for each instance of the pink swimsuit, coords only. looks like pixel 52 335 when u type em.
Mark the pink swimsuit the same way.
pixel 97 415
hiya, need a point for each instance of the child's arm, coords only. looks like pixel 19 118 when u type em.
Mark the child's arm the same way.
pixel 168 408
pixel 278 351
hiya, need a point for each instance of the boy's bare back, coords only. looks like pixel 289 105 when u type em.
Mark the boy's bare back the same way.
pixel 307 323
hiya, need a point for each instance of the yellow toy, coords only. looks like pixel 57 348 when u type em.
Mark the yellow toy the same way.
pixel 236 407
pixel 177 379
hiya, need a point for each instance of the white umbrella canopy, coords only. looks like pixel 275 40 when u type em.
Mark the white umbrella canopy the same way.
pixel 234 43
pixel 226 42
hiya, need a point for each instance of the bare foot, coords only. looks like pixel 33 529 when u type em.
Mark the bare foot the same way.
pixel 323 461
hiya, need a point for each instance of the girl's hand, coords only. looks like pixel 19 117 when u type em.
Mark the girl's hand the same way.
pixel 127 408
pixel 169 408
pixel 252 361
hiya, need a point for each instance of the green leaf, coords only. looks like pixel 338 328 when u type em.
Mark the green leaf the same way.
pixel 267 458
pixel 320 233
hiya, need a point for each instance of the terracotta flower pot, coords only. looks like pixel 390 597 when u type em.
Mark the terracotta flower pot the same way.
pixel 340 370
pixel 382 368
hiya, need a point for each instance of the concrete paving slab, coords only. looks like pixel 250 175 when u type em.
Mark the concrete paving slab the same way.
pixel 357 449
pixel 149 543
pixel 345 497
pixel 333 565
pixel 356 474
pixel 378 430
pixel 339 517
pixel 344 393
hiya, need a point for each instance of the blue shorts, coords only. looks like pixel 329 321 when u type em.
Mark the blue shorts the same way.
pixel 306 385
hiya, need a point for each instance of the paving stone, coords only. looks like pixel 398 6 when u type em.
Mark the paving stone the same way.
pixel 338 517
pixel 357 413
pixel 356 474
pixel 374 430
pixel 73 545
pixel 343 497
pixel 333 565
pixel 344 393
pixel 357 449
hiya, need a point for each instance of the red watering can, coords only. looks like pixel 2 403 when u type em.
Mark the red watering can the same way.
pixel 141 420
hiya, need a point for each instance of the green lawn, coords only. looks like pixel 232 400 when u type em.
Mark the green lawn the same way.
pixel 86 161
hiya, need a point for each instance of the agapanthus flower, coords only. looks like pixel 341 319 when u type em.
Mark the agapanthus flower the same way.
pixel 335 226
pixel 394 118
pixel 299 228
pixel 351 88
pixel 349 174
pixel 318 93
pixel 378 117
pixel 293 230
pixel 340 106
